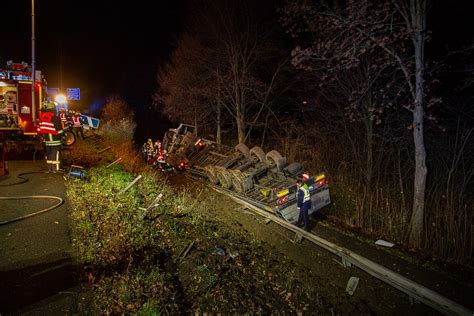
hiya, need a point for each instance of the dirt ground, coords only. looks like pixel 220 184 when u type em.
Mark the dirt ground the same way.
pixel 455 283
pixel 39 276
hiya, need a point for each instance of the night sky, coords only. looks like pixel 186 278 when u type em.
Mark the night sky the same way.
pixel 106 47
pixel 99 46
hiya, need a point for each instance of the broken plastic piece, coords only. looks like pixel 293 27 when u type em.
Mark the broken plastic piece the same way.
pixel 220 251
pixel 384 243
pixel 352 285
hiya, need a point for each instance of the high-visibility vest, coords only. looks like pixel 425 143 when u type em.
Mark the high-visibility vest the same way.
pixel 63 117
pixel 77 121
pixel 307 194
pixel 46 125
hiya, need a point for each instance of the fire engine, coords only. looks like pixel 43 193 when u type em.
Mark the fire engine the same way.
pixel 18 116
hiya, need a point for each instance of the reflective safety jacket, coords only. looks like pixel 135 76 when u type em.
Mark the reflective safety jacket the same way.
pixel 304 196
pixel 77 121
pixel 50 127
pixel 63 117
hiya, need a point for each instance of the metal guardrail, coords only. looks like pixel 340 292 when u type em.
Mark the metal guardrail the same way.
pixel 409 287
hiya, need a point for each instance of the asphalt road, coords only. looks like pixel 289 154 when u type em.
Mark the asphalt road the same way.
pixel 36 255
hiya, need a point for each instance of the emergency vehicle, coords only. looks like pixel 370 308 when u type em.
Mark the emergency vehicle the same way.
pixel 18 116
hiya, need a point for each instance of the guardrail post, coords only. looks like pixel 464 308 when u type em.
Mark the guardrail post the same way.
pixel 131 184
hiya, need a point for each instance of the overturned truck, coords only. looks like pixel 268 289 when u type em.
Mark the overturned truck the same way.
pixel 264 180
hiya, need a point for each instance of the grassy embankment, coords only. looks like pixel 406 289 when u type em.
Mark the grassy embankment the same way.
pixel 132 261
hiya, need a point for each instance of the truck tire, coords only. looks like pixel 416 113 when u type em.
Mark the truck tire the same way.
pixel 241 182
pixel 68 138
pixel 295 169
pixel 258 153
pixel 243 149
pixel 225 178
pixel 212 175
pixel 274 157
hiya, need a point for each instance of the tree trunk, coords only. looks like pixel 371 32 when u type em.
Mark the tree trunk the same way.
pixel 240 126
pixel 417 217
pixel 369 129
pixel 218 121
pixel 195 120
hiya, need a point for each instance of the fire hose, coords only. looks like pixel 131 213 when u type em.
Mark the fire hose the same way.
pixel 49 197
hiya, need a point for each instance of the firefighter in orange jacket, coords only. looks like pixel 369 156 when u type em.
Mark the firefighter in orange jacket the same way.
pixel 77 127
pixel 63 116
pixel 51 129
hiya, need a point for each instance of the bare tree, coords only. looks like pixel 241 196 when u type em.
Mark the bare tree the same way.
pixel 216 70
pixel 361 28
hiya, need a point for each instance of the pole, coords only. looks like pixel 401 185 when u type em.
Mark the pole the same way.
pixel 33 80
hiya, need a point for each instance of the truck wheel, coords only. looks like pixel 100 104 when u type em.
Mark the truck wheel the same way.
pixel 68 138
pixel 295 169
pixel 275 158
pixel 240 182
pixel 211 175
pixel 258 153
pixel 243 149
pixel 225 178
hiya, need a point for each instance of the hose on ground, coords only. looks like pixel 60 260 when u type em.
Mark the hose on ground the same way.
pixel 23 179
pixel 50 197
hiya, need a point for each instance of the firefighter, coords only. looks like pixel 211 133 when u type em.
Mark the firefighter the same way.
pixel 50 128
pixel 157 153
pixel 304 202
pixel 149 151
pixel 77 124
pixel 63 117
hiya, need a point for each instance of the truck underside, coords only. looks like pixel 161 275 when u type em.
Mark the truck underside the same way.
pixel 264 180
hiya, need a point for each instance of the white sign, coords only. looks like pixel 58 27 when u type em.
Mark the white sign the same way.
pixel 73 93
pixel 25 110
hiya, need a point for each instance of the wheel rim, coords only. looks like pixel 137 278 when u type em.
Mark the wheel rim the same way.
pixel 69 139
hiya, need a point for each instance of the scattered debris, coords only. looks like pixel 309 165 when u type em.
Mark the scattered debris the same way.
pixel 102 150
pixel 346 263
pixel 352 285
pixel 220 250
pixel 384 243
pixel 298 238
pixel 233 255
pixel 155 203
pixel 131 184
pixel 113 162
pixel 185 252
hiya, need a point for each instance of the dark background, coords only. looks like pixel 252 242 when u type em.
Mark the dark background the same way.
pixel 101 47
pixel 106 47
